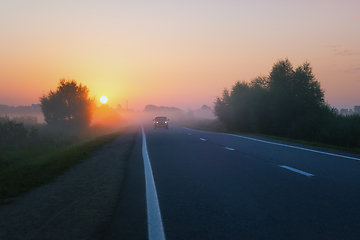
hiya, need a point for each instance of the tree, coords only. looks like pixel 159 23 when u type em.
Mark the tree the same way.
pixel 259 106
pixel 288 103
pixel 68 106
pixel 306 89
pixel 281 92
pixel 239 105
pixel 245 108
pixel 293 93
pixel 222 109
pixel 272 104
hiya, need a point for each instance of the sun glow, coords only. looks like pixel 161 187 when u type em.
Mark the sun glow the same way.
pixel 103 99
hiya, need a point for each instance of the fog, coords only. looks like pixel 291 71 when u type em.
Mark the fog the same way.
pixel 26 114
pixel 106 118
pixel 175 115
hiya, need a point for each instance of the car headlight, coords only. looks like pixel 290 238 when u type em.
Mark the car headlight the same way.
pixel 165 122
pixel 157 122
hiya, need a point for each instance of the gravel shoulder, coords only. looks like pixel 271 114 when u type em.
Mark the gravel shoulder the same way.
pixel 78 204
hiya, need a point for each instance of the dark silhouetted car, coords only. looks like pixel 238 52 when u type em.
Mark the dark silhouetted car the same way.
pixel 161 122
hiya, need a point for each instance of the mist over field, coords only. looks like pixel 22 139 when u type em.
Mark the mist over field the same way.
pixel 288 102
pixel 22 113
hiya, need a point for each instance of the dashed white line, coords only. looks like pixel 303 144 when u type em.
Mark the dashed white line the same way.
pixel 231 149
pixel 202 139
pixel 297 170
pixel 188 133
pixel 155 225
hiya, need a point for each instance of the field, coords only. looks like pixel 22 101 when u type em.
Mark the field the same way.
pixel 32 155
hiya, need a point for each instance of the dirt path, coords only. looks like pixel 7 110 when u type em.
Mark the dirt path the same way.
pixel 77 205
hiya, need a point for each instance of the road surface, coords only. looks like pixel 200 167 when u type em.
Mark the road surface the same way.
pixel 220 186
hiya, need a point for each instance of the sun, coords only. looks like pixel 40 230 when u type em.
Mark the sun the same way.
pixel 103 99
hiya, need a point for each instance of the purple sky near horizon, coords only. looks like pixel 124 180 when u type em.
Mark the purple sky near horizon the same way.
pixel 179 53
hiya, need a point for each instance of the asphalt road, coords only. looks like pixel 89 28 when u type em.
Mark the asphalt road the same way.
pixel 218 186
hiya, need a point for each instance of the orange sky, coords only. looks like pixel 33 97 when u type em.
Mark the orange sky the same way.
pixel 174 54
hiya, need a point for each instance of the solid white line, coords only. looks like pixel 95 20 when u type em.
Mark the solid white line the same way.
pixel 283 145
pixel 202 139
pixel 297 170
pixel 231 149
pixel 155 225
pixel 300 148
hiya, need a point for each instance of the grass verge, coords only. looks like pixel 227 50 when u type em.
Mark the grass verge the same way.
pixel 315 144
pixel 217 126
pixel 26 168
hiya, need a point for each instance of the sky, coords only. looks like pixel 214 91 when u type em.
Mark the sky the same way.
pixel 174 53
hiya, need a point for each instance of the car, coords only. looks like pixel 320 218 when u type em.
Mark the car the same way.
pixel 160 121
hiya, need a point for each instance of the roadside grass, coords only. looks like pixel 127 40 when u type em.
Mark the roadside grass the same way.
pixel 217 126
pixel 315 144
pixel 23 168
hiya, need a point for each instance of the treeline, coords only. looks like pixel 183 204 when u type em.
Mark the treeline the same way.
pixel 153 108
pixel 34 109
pixel 287 103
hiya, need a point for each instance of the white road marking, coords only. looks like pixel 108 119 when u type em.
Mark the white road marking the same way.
pixel 283 145
pixel 297 170
pixel 155 225
pixel 189 134
pixel 202 139
pixel 231 149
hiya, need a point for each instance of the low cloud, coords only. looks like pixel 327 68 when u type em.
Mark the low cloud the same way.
pixel 333 46
pixel 339 52
pixel 346 53
pixel 355 70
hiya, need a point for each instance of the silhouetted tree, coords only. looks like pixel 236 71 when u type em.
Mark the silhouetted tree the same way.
pixel 272 104
pixel 239 105
pixel 205 108
pixel 222 109
pixel 293 93
pixel 245 108
pixel 69 105
pixel 288 103
pixel 259 106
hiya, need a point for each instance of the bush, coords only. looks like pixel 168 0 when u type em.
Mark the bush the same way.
pixel 27 120
pixel 11 129
pixel 15 134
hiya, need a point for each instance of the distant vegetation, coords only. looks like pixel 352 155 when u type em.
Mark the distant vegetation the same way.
pixel 178 115
pixel 287 103
pixel 172 113
pixel 34 109
pixel 31 114
pixel 162 109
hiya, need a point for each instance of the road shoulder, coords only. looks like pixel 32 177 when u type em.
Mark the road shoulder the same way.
pixel 78 204
pixel 130 219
